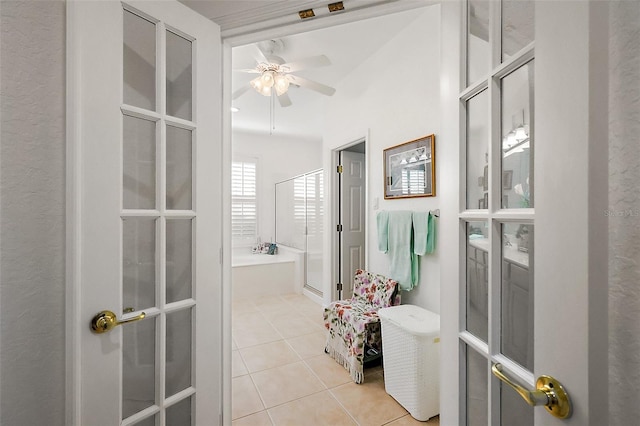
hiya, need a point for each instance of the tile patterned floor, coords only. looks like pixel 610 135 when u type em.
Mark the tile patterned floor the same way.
pixel 281 375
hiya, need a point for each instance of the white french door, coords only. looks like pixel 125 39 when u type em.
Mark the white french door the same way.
pixel 529 300
pixel 145 160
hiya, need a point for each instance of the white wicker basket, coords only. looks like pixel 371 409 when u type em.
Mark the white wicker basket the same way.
pixel 411 357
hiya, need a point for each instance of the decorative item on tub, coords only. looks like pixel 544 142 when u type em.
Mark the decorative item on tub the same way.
pixel 265 248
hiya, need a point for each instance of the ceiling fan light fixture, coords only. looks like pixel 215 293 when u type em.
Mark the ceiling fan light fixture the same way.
pixel 267 78
pixel 256 83
pixel 266 91
pixel 281 83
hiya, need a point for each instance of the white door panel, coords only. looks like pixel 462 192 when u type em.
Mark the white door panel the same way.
pixel 521 244
pixel 146 113
pixel 352 216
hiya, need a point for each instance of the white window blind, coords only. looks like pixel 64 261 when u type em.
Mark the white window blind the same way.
pixel 244 213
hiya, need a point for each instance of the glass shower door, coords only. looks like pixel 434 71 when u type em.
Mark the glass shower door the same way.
pixel 314 217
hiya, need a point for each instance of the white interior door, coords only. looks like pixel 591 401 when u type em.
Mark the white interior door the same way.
pixel 352 210
pixel 145 108
pixel 528 301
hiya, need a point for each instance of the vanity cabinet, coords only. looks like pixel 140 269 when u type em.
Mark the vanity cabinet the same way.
pixel 516 287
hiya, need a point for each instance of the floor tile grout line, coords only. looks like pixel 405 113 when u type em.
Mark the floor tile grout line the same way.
pixel 343 407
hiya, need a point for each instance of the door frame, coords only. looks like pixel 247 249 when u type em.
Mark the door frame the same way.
pixel 246 35
pixel 334 183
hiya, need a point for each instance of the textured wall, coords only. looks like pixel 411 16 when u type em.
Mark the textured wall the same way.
pixel 32 213
pixel 624 204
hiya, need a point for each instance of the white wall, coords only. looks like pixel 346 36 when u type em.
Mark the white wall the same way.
pixel 279 157
pixel 624 223
pixel 393 97
pixel 32 152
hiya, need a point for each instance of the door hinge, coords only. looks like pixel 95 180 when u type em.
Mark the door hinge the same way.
pixel 339 286
pixel 339 169
pixel 339 228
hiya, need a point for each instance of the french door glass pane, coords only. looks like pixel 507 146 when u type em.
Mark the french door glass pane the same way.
pixel 517 293
pixel 138 366
pixel 139 62
pixel 476 385
pixel 477 279
pixel 138 263
pixel 179 168
pixel 179 76
pixel 179 414
pixel 477 40
pixel 139 163
pixel 477 151
pixel 179 261
pixel 178 351
pixel 517 138
pixel 149 421
pixel 513 409
pixel 517 25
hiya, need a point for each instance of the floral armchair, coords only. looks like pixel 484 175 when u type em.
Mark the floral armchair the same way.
pixel 353 324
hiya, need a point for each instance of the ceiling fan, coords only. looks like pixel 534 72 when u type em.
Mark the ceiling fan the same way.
pixel 276 75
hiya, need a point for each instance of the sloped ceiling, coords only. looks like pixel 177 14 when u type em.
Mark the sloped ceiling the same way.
pixel 346 46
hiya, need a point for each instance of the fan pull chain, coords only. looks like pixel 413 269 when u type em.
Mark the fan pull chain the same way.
pixel 272 114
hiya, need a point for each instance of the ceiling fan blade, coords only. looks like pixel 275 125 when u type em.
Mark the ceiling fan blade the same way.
pixel 285 100
pixel 312 85
pixel 241 91
pixel 311 62
pixel 259 55
pixel 248 70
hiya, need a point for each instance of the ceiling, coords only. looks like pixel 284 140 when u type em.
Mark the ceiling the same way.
pixel 346 46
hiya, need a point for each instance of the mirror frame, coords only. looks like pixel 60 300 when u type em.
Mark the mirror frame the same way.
pixel 394 159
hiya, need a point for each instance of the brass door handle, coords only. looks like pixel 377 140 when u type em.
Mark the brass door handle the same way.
pixel 106 320
pixel 549 392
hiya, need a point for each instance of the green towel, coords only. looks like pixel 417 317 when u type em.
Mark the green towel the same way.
pixel 431 236
pixel 383 230
pixel 424 229
pixel 403 262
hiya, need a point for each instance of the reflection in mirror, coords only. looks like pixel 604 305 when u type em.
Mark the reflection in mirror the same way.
pixel 517 26
pixel 517 293
pixel 478 279
pixel 477 40
pixel 409 169
pixel 517 138
pixel 477 150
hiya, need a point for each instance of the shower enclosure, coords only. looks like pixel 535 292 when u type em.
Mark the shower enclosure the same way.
pixel 299 217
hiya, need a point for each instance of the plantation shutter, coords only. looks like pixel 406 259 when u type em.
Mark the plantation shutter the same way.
pixel 244 214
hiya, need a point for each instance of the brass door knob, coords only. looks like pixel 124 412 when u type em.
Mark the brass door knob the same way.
pixel 106 320
pixel 549 392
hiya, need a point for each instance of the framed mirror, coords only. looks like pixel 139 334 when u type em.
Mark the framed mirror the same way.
pixel 410 169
